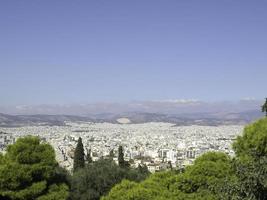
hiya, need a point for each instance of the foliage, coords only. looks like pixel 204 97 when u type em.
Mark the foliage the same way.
pixel 121 157
pixel 78 161
pixel 207 174
pixel 251 160
pixel 200 181
pixel 29 171
pixel 55 192
pixel 264 107
pixel 97 178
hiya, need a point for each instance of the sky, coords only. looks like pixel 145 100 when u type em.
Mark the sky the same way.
pixel 67 52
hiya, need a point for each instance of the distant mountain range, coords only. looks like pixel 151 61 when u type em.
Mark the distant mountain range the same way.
pixel 189 119
pixel 180 112
pixel 30 120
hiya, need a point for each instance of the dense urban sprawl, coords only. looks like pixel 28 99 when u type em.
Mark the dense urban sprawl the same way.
pixel 157 145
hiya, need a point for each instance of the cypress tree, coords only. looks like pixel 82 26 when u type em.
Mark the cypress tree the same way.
pixel 78 161
pixel 264 107
pixel 121 157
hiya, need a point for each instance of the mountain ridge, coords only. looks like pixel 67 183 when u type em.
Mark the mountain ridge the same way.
pixel 206 119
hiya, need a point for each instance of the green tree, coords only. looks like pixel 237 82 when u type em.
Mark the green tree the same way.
pixel 121 160
pixel 78 161
pixel 207 176
pixel 204 180
pixel 251 160
pixel 96 179
pixel 156 187
pixel 264 107
pixel 29 170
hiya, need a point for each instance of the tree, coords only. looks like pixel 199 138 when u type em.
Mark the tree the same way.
pixel 251 160
pixel 121 160
pixel 96 179
pixel 264 107
pixel 78 161
pixel 208 174
pixel 156 186
pixel 203 180
pixel 29 170
pixel 88 156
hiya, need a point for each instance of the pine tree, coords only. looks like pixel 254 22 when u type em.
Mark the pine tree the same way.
pixel 121 157
pixel 264 107
pixel 78 161
pixel 88 156
pixel 29 170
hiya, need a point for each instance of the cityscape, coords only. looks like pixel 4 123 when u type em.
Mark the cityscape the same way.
pixel 133 100
pixel 156 145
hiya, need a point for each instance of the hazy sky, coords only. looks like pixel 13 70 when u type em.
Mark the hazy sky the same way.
pixel 88 51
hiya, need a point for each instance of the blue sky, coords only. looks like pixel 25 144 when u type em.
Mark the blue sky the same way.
pixel 64 52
